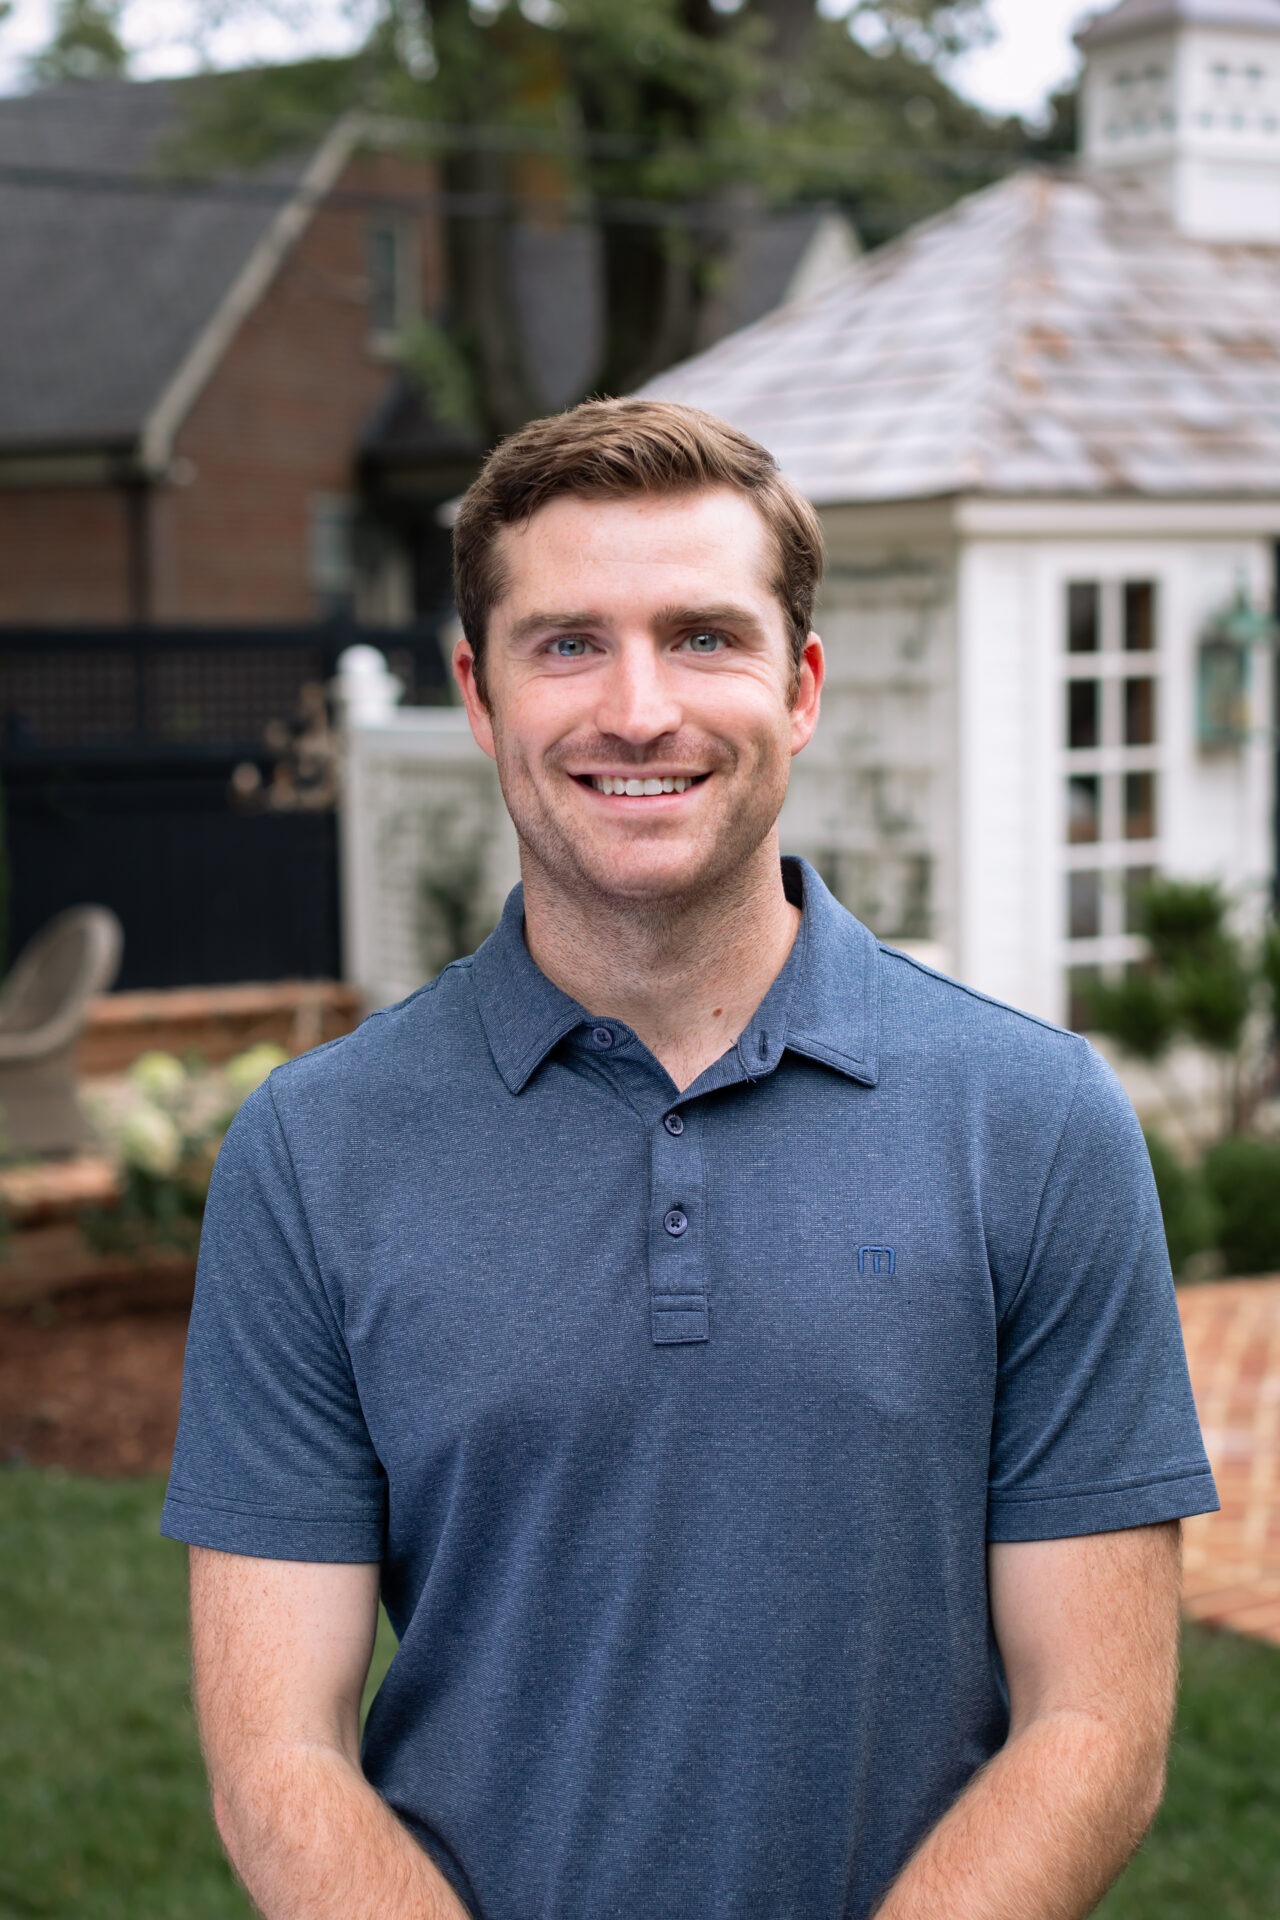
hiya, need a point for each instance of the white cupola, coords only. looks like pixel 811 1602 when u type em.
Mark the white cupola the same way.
pixel 1184 97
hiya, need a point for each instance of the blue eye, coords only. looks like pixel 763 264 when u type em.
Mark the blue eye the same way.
pixel 569 646
pixel 704 642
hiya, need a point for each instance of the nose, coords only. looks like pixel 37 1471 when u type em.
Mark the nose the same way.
pixel 638 700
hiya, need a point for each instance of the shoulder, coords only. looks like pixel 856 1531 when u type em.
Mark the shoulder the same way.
pixel 926 1011
pixel 433 1032
pixel 1026 1077
pixel 359 1101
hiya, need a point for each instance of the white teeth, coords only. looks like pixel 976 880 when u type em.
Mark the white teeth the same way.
pixel 636 788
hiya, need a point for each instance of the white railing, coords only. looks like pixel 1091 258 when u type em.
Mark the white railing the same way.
pixel 428 852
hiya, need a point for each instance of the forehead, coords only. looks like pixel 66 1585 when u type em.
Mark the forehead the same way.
pixel 668 547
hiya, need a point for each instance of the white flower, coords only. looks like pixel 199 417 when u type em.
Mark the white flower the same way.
pixel 249 1069
pixel 160 1076
pixel 150 1140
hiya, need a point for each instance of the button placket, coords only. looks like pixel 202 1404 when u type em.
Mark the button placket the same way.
pixel 678 1304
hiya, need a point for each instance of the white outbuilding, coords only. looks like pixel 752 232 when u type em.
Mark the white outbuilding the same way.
pixel 1043 431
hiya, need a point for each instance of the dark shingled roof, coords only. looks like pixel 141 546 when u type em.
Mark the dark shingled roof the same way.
pixel 104 288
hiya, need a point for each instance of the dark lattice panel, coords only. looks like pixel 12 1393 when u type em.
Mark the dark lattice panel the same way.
pixel 66 699
pixel 152 694
pixel 212 697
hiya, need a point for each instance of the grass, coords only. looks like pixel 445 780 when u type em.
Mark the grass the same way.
pixel 102 1802
pixel 103 1811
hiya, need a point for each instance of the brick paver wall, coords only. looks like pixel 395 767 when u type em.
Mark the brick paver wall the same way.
pixel 1232 1559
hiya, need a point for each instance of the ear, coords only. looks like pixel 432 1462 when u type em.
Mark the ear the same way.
pixel 464 672
pixel 808 700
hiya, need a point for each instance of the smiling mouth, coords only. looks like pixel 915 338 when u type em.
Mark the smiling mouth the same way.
pixel 637 786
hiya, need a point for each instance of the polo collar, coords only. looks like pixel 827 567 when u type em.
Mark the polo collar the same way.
pixel 824 1005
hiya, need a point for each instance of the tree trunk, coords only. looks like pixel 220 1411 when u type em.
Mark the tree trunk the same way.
pixel 479 218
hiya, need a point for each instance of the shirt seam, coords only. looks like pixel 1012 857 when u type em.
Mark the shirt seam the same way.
pixel 973 993
pixel 255 1509
pixel 1101 1489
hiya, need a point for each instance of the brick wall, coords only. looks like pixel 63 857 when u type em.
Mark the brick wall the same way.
pixel 63 555
pixel 277 424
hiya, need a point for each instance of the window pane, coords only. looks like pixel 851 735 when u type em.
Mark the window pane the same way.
pixel 1139 616
pixel 1139 713
pixel 383 255
pixel 1084 906
pixel 1083 709
pixel 1136 882
pixel 1140 806
pixel 1083 617
pixel 1084 808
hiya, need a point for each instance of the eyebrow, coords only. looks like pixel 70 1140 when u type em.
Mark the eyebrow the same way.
pixel 716 616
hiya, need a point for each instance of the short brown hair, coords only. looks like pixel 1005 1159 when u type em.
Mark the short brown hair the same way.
pixel 615 449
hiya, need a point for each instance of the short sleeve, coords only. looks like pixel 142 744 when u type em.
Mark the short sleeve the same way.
pixel 1095 1426
pixel 273 1455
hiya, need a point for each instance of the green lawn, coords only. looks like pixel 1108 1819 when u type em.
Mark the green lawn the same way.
pixel 102 1803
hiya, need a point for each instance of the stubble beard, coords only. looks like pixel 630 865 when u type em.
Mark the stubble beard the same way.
pixel 551 859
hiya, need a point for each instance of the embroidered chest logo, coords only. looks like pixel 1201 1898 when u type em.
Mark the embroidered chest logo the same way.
pixel 877 1260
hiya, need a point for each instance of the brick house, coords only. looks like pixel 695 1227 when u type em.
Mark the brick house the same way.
pixel 184 374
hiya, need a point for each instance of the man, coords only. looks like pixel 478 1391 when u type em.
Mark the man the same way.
pixel 744 1361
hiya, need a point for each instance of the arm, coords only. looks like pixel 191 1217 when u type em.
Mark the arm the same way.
pixel 281 1649
pixel 1088 1632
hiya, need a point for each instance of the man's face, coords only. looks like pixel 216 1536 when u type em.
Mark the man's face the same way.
pixel 640 697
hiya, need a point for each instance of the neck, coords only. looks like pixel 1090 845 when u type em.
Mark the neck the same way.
pixel 685 976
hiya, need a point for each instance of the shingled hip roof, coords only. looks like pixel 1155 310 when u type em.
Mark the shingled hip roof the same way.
pixel 1051 335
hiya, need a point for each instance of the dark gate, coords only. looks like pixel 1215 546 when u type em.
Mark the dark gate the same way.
pixel 118 751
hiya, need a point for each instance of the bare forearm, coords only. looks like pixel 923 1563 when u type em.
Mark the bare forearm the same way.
pixel 1039 1834
pixel 311 1840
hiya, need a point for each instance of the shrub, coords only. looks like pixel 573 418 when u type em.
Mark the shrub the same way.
pixel 1243 1176
pixel 1190 1213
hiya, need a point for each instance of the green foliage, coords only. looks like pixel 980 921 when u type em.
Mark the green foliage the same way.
pixel 1139 1010
pixel 1202 984
pixel 86 44
pixel 1191 1218
pixel 1243 1177
pixel 437 365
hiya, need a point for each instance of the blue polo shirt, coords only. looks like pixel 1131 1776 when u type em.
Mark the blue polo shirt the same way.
pixel 680 1423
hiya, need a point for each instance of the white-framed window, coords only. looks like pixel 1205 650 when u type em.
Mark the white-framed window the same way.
pixel 1112 772
pixel 391 269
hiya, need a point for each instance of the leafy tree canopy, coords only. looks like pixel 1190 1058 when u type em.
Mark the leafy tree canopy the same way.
pixel 665 123
pixel 86 44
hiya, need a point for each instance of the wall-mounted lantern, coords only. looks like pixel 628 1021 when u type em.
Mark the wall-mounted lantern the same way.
pixel 1224 670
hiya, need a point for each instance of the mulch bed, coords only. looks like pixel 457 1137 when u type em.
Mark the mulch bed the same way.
pixel 90 1380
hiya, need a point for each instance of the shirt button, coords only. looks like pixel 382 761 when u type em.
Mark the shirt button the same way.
pixel 603 1036
pixel 676 1223
pixel 674 1125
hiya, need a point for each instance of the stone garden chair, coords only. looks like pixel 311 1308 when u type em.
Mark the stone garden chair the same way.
pixel 43 1006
